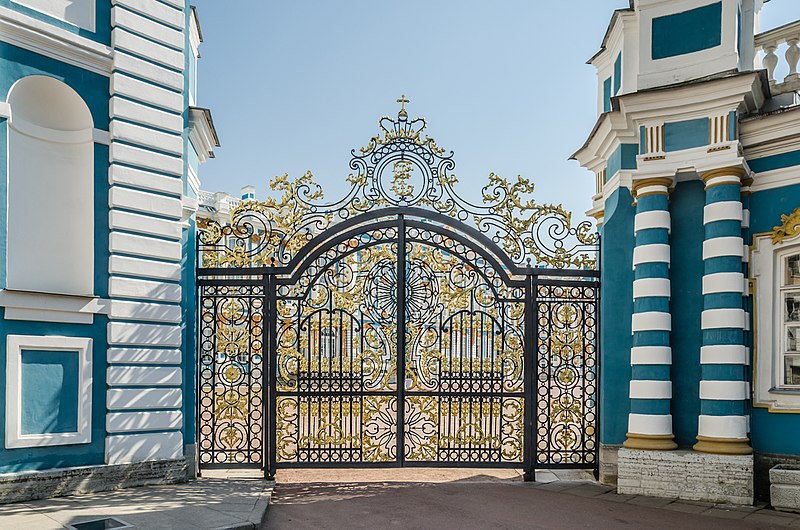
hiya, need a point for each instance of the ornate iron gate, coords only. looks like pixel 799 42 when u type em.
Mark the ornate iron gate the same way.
pixel 401 325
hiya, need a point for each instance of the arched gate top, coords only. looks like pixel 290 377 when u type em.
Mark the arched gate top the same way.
pixel 400 171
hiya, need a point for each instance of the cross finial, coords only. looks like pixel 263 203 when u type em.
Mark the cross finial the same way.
pixel 403 102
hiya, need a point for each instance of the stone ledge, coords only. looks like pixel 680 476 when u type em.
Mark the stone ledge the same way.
pixel 686 475
pixel 17 487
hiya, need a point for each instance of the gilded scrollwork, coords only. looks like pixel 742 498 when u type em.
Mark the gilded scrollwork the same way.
pixel 400 167
pixel 788 229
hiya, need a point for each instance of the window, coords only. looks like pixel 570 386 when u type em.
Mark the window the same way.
pixel 789 289
pixel 50 189
pixel 775 273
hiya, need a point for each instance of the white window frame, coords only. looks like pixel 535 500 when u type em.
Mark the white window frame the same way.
pixel 15 345
pixel 767 269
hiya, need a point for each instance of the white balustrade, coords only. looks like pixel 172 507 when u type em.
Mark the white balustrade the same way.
pixel 781 43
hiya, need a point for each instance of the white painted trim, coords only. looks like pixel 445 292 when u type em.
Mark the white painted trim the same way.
pixel 144 290
pixel 144 268
pixel 777 178
pixel 146 180
pixel 149 376
pixel 124 333
pixel 128 448
pixel 647 355
pixel 646 190
pixel 651 321
pixel 155 9
pixel 724 390
pixel 722 211
pixel 5 110
pixel 724 179
pixel 82 347
pixel 146 312
pixel 723 246
pixel 54 42
pixel 143 356
pixel 45 307
pixel 651 389
pixel 658 253
pixel 162 420
pixel 651 219
pixel 745 219
pixel 650 287
pixel 100 136
pixel 730 427
pixel 766 272
pixel 653 424
pixel 722 319
pixel 723 282
pixel 144 398
pixel 724 354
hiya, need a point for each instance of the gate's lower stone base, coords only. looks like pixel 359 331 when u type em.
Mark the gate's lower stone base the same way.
pixel 686 475
pixel 609 457
pixel 32 485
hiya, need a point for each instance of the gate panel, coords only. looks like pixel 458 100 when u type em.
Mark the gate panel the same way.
pixel 566 393
pixel 231 373
pixel 337 357
pixel 465 389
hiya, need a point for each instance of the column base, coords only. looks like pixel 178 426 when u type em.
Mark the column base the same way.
pixel 686 475
pixel 723 446
pixel 650 442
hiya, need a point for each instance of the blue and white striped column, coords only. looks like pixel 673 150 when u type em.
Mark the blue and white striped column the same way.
pixel 650 420
pixel 724 390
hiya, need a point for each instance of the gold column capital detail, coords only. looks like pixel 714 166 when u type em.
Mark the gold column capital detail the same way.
pixel 654 181
pixel 723 172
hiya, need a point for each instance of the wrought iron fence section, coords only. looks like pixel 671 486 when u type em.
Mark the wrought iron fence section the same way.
pixel 230 375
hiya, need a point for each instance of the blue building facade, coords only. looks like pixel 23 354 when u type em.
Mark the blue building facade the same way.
pixel 696 154
pixel 100 146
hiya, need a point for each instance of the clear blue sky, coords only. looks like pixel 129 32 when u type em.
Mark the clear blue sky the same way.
pixel 296 84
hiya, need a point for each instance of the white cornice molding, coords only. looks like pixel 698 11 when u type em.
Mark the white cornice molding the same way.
pixel 202 133
pixel 45 39
pixel 772 134
pixel 777 178
pixel 692 161
pixel 45 307
pixel 695 100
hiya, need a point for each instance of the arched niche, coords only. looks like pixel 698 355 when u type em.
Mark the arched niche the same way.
pixel 50 189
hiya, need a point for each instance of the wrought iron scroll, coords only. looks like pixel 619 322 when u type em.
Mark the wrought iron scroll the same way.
pixel 399 167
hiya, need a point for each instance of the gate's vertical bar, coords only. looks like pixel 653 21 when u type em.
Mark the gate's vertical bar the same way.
pixel 530 363
pixel 400 304
pixel 198 370
pixel 270 374
pixel 598 290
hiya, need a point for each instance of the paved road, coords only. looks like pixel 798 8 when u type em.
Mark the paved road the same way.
pixel 488 502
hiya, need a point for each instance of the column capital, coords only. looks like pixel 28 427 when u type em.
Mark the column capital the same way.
pixel 651 186
pixel 725 175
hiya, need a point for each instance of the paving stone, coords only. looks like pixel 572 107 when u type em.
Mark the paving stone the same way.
pixel 613 496
pixel 723 513
pixel 685 507
pixel 589 490
pixel 767 517
pixel 655 502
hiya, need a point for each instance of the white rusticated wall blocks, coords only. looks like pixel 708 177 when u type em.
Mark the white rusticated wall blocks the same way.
pixel 686 475
pixel 144 398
